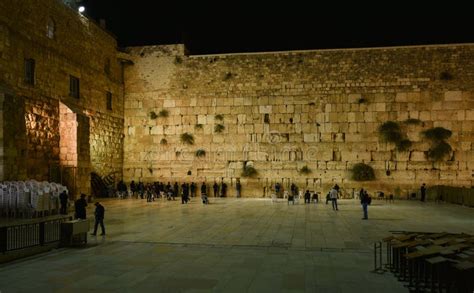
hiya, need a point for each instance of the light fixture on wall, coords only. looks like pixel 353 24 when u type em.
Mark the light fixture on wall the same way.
pixel 81 9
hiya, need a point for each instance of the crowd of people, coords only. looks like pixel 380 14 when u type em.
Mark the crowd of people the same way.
pixel 185 190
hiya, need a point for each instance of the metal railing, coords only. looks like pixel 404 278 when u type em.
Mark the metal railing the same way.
pixel 26 235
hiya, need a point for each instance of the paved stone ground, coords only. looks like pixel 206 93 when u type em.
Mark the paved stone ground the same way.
pixel 232 245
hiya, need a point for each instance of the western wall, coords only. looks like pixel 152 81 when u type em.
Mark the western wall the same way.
pixel 283 111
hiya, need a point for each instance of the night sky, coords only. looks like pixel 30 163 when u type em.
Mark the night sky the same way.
pixel 234 27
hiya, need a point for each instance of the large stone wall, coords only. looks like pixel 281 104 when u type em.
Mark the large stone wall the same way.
pixel 80 48
pixel 282 111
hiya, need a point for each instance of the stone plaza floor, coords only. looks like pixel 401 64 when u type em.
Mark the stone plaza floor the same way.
pixel 232 245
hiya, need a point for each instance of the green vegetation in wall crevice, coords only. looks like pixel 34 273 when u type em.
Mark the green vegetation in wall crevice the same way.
pixel 200 153
pixel 249 171
pixel 187 138
pixel 305 170
pixel 218 128
pixel 439 147
pixel 391 132
pixel 362 172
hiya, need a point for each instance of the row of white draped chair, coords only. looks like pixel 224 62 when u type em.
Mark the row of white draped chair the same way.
pixel 29 196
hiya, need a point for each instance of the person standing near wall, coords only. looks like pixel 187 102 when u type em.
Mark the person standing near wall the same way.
pixel 423 192
pixel 63 198
pixel 80 206
pixel 238 188
pixel 364 201
pixel 215 187
pixel 333 196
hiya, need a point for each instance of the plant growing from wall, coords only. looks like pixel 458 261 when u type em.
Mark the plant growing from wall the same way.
pixel 218 128
pixel 391 131
pixel 163 141
pixel 403 145
pixel 198 126
pixel 439 147
pixel 153 115
pixel 200 153
pixel 437 134
pixel 187 138
pixel 219 117
pixel 164 113
pixel 249 171
pixel 439 150
pixel 305 170
pixel 413 121
pixel 362 172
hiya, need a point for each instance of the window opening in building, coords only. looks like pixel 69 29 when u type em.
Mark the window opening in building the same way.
pixel 50 29
pixel 109 100
pixel 30 71
pixel 74 87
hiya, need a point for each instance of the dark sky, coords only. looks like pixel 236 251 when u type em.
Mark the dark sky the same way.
pixel 231 26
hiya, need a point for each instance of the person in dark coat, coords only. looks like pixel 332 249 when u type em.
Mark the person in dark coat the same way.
pixel 80 206
pixel 204 197
pixel 185 193
pixel 423 192
pixel 99 218
pixel 364 201
pixel 193 189
pixel 215 187
pixel 224 189
pixel 238 188
pixel 63 198
pixel 307 197
pixel 133 188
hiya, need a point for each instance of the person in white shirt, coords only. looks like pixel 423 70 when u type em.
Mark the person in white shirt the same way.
pixel 333 195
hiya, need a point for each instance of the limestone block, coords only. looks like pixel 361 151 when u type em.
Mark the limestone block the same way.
pixel 401 97
pixel 267 109
pixel 469 115
pixel 169 103
pixel 258 128
pixel 380 107
pixel 453 96
pixel 404 176
pixel 157 130
pixel 307 137
pixel 413 97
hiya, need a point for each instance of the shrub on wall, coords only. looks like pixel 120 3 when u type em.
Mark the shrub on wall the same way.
pixel 163 141
pixel 219 117
pixel 391 131
pixel 249 171
pixel 198 126
pixel 187 138
pixel 219 128
pixel 153 115
pixel 404 145
pixel 163 113
pixel 305 170
pixel 437 134
pixel 413 121
pixel 200 153
pixel 362 172
pixel 439 150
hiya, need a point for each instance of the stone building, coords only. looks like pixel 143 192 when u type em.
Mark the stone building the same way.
pixel 61 95
pixel 73 104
